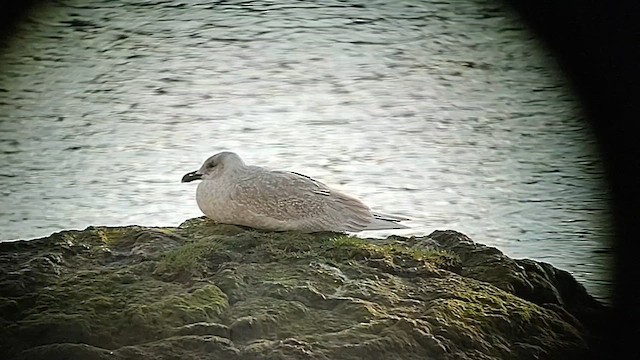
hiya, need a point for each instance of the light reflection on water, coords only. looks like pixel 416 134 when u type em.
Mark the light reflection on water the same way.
pixel 448 114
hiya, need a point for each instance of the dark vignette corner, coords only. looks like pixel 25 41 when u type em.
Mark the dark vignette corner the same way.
pixel 593 42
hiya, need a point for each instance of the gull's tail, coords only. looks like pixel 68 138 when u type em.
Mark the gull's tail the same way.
pixel 384 222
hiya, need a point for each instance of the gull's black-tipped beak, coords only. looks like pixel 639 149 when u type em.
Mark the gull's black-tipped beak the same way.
pixel 191 176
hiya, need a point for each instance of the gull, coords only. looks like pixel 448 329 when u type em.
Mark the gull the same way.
pixel 232 192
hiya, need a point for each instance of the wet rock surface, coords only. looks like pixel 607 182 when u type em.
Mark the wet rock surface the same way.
pixel 205 290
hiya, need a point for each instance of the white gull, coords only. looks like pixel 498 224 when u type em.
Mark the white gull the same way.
pixel 232 192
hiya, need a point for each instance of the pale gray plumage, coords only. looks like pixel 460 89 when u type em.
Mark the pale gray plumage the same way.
pixel 232 192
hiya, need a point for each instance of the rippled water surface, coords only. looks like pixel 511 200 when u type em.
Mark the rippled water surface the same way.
pixel 450 114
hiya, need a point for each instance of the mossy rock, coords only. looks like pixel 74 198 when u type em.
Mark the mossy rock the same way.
pixel 205 288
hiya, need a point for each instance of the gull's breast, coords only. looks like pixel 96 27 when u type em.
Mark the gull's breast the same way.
pixel 214 201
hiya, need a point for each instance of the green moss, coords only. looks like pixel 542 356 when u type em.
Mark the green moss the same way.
pixel 189 259
pixel 353 247
pixel 111 236
pixel 203 227
pixel 356 248
pixel 439 258
pixel 95 237
pixel 166 230
pixel 203 304
pixel 260 246
pixel 256 246
pixel 482 309
pixel 99 307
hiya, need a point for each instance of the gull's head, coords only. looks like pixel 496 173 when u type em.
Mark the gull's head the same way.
pixel 214 166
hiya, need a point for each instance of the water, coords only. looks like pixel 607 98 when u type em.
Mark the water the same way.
pixel 450 114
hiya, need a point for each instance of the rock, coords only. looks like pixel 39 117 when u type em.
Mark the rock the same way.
pixel 205 290
pixel 66 351
pixel 537 282
pixel 204 329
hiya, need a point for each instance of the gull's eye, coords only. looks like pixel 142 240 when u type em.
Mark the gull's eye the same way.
pixel 211 165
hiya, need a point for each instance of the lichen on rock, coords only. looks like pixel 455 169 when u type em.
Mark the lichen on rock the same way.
pixel 213 290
